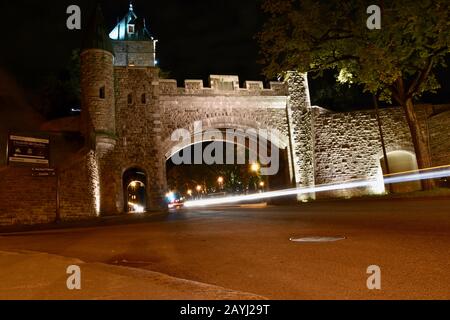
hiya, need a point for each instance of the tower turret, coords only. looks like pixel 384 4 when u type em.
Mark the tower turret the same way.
pixel 97 80
pixel 98 104
pixel 132 43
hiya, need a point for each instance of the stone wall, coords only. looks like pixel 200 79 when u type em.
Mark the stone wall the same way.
pixel 223 86
pixel 348 145
pixel 25 199
pixel 137 140
pixel 149 109
pixel 79 188
pixel 328 147
pixel 222 112
pixel 134 53
pixel 96 76
pixel 302 127
pixel 439 128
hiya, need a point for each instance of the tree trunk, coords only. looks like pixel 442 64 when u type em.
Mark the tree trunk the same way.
pixel 420 141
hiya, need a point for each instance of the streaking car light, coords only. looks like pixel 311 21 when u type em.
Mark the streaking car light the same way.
pixel 432 173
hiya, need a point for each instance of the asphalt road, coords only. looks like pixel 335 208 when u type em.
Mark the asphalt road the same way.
pixel 248 249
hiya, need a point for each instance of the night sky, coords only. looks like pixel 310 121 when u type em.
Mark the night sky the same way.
pixel 196 38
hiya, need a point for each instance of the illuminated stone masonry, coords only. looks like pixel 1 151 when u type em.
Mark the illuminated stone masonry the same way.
pixel 132 112
pixel 327 147
pixel 129 114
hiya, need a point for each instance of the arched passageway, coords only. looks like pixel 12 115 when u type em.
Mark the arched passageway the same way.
pixel 398 162
pixel 135 190
pixel 200 179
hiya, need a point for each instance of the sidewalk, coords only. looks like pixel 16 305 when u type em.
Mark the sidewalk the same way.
pixel 86 223
pixel 28 275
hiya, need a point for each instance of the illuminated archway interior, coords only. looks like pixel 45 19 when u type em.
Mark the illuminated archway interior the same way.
pixel 402 161
pixel 135 192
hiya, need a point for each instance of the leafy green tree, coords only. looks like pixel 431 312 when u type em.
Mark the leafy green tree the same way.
pixel 395 62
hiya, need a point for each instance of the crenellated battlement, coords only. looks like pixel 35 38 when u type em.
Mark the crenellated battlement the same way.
pixel 221 85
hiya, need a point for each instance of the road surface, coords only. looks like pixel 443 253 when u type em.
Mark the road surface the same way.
pixel 248 249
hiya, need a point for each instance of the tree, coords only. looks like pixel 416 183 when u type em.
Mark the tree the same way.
pixel 395 62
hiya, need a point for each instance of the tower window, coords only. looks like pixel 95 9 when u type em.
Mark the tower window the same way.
pixel 143 99
pixel 130 98
pixel 102 93
pixel 130 29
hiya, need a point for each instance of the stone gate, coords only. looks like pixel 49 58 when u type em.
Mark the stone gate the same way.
pixel 129 113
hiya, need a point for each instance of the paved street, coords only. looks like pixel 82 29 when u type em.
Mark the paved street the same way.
pixel 248 249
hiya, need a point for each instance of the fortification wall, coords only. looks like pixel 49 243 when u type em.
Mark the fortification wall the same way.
pixel 134 53
pixel 149 109
pixel 221 85
pixel 302 127
pixel 348 146
pixel 79 188
pixel 97 90
pixel 26 199
pixel 439 128
pixel 137 139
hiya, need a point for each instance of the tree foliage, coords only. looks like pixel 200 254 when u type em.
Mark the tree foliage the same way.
pixel 396 62
pixel 313 36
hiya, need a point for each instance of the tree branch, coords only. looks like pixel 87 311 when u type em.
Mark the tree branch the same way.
pixel 421 77
pixel 327 64
pixel 395 94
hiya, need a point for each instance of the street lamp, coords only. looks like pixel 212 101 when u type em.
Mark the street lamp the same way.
pixel 255 167
pixel 189 192
pixel 199 189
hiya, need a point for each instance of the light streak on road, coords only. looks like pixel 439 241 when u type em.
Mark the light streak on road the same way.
pixel 431 173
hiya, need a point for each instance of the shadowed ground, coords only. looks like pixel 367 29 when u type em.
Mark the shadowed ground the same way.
pixel 248 249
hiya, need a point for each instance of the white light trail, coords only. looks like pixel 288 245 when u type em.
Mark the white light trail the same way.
pixel 432 173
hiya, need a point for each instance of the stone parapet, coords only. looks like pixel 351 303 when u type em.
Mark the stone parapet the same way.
pixel 221 85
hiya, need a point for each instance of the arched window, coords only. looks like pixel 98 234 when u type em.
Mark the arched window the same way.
pixel 143 99
pixel 130 99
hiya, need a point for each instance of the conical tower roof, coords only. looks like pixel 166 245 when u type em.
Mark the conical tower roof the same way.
pixel 96 34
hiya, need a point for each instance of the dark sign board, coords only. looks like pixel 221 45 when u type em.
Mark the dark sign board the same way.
pixel 28 150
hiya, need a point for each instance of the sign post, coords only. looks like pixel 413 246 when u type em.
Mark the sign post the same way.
pixel 28 150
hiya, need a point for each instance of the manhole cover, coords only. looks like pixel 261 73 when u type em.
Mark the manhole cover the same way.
pixel 317 239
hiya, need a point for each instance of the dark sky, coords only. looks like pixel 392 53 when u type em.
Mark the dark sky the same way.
pixel 196 38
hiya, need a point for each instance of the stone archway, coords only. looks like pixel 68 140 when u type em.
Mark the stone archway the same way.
pixel 230 130
pixel 232 133
pixel 134 182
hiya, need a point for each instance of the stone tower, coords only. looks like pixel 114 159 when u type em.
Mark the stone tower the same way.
pixel 132 43
pixel 97 78
pixel 98 98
